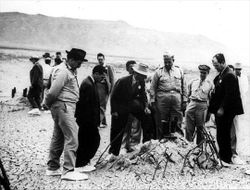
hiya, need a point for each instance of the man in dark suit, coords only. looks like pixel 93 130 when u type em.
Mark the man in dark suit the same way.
pixel 225 104
pixel 129 97
pixel 88 119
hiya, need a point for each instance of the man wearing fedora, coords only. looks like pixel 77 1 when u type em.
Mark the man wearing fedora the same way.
pixel 61 99
pixel 36 88
pixel 198 93
pixel 168 97
pixel 129 97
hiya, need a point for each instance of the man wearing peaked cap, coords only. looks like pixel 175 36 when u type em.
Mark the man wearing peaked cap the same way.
pixel 129 97
pixel 204 68
pixel 61 99
pixel 198 93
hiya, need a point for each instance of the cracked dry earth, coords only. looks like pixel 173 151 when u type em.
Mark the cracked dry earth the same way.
pixel 24 143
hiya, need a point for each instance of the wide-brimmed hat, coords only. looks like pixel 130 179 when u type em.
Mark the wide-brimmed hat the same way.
pixel 237 66
pixel 46 55
pixel 141 69
pixel 34 59
pixel 77 54
pixel 204 68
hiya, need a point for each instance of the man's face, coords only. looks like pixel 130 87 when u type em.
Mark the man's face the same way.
pixel 203 74
pixel 100 60
pixel 139 77
pixel 168 62
pixel 98 77
pixel 129 68
pixel 74 64
pixel 238 72
pixel 218 66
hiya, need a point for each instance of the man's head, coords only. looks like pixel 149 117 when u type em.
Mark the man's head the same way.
pixel 219 62
pixel 204 71
pixel 231 67
pixel 100 58
pixel 47 58
pixel 140 72
pixel 98 73
pixel 168 59
pixel 58 54
pixel 238 68
pixel 75 57
pixel 129 66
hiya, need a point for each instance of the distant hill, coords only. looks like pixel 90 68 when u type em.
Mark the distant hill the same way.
pixel 116 38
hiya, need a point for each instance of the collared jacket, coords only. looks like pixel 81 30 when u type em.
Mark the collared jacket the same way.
pixel 64 86
pixel 226 94
pixel 88 106
pixel 125 96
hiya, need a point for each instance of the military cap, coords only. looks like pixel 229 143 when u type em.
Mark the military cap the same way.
pixel 238 66
pixel 204 68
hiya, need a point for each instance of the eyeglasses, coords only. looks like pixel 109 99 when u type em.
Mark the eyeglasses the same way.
pixel 203 72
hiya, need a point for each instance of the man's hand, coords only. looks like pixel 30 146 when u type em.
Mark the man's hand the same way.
pixel 147 111
pixel 220 112
pixel 114 114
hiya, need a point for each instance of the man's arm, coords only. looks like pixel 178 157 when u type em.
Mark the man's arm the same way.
pixel 59 79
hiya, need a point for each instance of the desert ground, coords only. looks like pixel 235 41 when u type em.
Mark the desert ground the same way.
pixel 25 141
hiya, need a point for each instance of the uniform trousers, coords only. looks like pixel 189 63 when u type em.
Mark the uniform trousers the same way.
pixel 169 108
pixel 195 118
pixel 65 136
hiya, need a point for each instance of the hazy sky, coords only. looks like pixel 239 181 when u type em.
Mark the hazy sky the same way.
pixel 225 21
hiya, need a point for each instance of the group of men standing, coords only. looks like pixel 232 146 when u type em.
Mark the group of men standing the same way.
pixel 78 111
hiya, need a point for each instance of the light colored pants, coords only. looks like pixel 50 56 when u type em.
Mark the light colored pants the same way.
pixel 195 118
pixel 169 109
pixel 65 136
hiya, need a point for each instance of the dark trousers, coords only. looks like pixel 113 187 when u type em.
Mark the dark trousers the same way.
pixel 224 124
pixel 34 97
pixel 118 127
pixel 89 141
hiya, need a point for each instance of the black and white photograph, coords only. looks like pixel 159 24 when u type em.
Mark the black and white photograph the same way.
pixel 143 94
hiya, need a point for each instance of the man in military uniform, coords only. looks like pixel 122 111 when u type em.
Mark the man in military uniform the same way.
pixel 168 96
pixel 198 93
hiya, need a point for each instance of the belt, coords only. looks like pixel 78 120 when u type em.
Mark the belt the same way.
pixel 170 91
pixel 200 101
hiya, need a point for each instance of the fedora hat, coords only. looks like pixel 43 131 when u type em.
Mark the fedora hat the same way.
pixel 141 69
pixel 34 59
pixel 77 54
pixel 46 55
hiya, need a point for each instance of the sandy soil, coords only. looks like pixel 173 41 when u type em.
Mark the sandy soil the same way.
pixel 24 150
pixel 24 145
